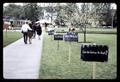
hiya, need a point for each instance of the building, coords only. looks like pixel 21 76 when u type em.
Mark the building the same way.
pixel 47 17
pixel 17 23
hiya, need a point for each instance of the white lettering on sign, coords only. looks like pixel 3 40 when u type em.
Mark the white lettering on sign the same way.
pixel 92 52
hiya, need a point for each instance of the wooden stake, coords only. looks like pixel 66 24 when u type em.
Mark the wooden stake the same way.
pixel 69 52
pixel 51 37
pixel 6 32
pixel 94 70
pixel 58 45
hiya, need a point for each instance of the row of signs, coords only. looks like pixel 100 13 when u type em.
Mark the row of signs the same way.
pixel 70 36
pixel 89 52
pixel 66 37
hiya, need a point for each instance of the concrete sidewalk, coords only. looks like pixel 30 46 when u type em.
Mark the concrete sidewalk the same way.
pixel 22 61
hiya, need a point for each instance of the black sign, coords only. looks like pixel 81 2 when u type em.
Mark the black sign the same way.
pixel 97 53
pixel 70 36
pixel 58 37
pixel 51 32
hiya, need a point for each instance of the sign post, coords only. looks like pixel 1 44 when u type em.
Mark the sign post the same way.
pixel 6 32
pixel 94 67
pixel 58 37
pixel 69 51
pixel 6 26
pixel 70 36
pixel 94 70
pixel 51 37
pixel 58 45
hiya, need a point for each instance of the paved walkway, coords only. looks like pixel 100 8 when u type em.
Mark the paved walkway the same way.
pixel 22 61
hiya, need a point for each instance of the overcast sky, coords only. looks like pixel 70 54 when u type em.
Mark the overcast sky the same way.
pixel 114 6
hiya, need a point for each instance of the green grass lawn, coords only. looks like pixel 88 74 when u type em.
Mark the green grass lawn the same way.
pixel 55 63
pixel 10 37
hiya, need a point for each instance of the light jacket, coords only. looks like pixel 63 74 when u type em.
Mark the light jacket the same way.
pixel 25 28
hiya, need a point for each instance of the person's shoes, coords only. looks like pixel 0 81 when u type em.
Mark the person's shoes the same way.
pixel 30 42
pixel 39 38
pixel 25 42
pixel 33 37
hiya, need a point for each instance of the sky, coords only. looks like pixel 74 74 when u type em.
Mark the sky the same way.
pixel 114 6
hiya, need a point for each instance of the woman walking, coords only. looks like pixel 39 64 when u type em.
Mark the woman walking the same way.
pixel 34 29
pixel 39 30
pixel 30 33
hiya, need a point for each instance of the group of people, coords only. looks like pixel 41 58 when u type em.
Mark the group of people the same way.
pixel 71 28
pixel 29 30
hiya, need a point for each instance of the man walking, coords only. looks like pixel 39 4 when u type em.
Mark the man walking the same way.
pixel 25 28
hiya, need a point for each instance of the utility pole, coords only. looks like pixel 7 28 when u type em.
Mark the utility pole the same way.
pixel 112 17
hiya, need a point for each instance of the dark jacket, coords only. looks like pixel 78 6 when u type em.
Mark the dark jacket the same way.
pixel 34 27
pixel 39 30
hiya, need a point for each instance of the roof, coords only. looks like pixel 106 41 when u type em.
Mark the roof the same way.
pixel 43 21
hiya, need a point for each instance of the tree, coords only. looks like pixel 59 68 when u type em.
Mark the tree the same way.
pixel 51 10
pixel 85 7
pixel 65 13
pixel 57 9
pixel 31 11
pixel 13 11
pixel 40 12
pixel 103 12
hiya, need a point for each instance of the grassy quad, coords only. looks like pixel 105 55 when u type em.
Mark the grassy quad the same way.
pixel 55 64
pixel 10 37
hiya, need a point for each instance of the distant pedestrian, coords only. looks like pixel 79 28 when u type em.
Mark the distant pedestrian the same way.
pixel 12 25
pixel 24 30
pixel 46 24
pixel 39 30
pixel 71 28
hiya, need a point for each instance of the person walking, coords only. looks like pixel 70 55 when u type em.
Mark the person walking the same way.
pixel 46 26
pixel 24 30
pixel 30 33
pixel 71 28
pixel 39 30
pixel 34 29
